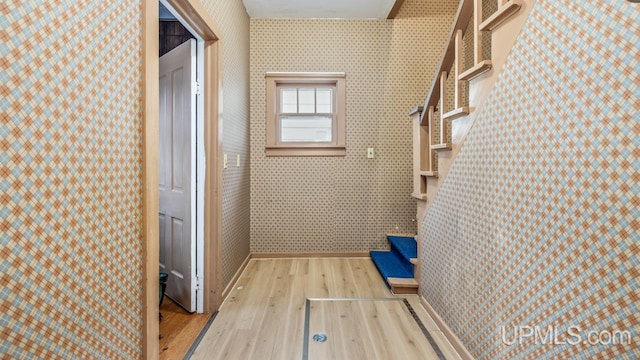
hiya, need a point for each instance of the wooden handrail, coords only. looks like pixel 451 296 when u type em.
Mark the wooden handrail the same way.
pixel 425 147
pixel 467 10
pixel 463 16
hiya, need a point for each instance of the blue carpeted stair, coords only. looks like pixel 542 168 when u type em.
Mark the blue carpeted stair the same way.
pixel 396 263
pixel 407 247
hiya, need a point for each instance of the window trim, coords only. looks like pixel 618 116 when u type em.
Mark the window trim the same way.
pixel 273 145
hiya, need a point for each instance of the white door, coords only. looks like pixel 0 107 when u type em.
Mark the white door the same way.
pixel 176 173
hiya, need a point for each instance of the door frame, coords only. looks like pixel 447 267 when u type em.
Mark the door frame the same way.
pixel 196 16
pixel 197 178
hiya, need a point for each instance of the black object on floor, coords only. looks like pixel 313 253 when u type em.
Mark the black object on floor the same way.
pixel 163 286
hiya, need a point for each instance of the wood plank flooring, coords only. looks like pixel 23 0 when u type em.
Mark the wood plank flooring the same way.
pixel 178 329
pixel 264 315
pixel 366 329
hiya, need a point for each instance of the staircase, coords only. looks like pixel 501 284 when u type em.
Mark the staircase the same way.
pixel 466 58
pixel 468 69
pixel 397 265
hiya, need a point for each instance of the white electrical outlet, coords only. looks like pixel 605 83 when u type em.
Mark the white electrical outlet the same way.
pixel 238 160
pixel 370 153
pixel 225 161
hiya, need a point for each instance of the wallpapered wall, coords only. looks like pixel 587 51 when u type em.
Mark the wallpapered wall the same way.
pixel 70 144
pixel 333 204
pixel 233 21
pixel 537 223
pixel 70 141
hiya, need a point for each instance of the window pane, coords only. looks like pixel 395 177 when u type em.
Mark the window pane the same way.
pixel 289 100
pixel 323 101
pixel 307 101
pixel 305 128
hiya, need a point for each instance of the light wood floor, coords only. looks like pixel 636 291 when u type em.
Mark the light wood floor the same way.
pixel 366 329
pixel 264 315
pixel 178 329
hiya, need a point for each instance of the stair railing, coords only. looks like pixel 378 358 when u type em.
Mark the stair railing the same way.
pixel 427 141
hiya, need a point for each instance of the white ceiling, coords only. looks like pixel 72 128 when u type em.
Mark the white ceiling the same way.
pixel 331 9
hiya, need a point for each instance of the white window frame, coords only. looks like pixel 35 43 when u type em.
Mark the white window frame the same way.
pixel 274 146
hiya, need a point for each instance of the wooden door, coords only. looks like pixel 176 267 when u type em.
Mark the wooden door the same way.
pixel 177 173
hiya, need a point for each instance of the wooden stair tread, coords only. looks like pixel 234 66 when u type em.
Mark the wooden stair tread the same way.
pixel 477 70
pixel 444 146
pixel 405 282
pixel 414 261
pixel 429 173
pixel 454 114
pixel 403 285
pixel 421 196
pixel 504 12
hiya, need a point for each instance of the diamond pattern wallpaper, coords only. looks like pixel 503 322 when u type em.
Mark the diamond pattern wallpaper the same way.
pixel 70 141
pixel 537 223
pixel 71 179
pixel 232 20
pixel 342 204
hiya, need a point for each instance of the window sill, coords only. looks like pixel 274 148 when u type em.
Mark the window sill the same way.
pixel 291 151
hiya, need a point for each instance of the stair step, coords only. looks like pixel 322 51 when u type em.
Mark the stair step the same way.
pixel 429 173
pixel 454 114
pixel 390 265
pixel 504 12
pixel 407 247
pixel 403 285
pixel 411 235
pixel 479 69
pixel 441 147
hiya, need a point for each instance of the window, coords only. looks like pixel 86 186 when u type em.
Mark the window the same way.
pixel 305 114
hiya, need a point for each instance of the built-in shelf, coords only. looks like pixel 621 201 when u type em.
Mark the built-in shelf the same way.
pixel 429 173
pixel 454 114
pixel 422 197
pixel 479 69
pixel 441 147
pixel 504 12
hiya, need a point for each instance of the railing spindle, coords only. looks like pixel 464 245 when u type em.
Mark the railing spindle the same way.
pixel 443 104
pixel 457 69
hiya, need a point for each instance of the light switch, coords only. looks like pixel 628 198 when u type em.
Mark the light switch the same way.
pixel 225 161
pixel 370 153
pixel 238 160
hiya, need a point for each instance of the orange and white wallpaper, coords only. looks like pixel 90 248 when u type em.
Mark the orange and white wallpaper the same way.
pixel 531 248
pixel 71 179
